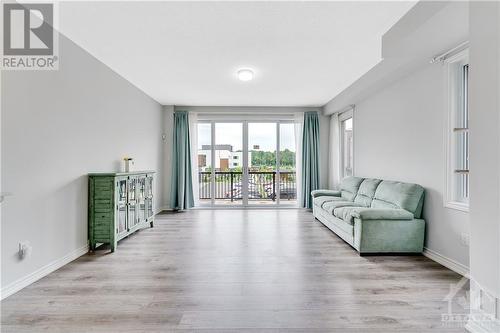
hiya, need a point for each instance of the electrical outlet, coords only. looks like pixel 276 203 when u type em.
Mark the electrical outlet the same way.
pixel 464 239
pixel 24 249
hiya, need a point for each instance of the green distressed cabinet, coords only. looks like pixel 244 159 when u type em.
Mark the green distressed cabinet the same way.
pixel 119 204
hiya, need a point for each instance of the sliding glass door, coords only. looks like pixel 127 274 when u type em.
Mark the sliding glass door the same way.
pixel 246 163
pixel 204 159
pixel 228 167
pixel 286 164
pixel 262 178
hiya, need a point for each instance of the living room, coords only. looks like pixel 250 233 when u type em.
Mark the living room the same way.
pixel 250 166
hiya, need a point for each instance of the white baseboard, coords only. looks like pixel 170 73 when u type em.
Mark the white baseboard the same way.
pixel 23 282
pixel 164 208
pixel 481 325
pixel 473 327
pixel 447 262
pixel 484 314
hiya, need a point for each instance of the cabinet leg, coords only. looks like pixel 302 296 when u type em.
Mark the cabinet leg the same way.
pixel 113 246
pixel 151 223
pixel 92 247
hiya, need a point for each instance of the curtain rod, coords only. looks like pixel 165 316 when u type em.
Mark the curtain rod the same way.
pixel 443 56
pixel 245 116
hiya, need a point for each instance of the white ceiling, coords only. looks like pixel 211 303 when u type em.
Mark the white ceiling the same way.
pixel 187 53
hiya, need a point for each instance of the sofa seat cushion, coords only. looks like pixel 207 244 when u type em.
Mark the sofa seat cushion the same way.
pixel 342 225
pixel 331 205
pixel 344 213
pixel 319 201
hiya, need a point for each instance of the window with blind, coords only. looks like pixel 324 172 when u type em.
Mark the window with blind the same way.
pixel 346 144
pixel 458 132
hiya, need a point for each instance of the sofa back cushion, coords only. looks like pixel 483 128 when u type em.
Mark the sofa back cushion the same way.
pixel 392 194
pixel 349 187
pixel 366 191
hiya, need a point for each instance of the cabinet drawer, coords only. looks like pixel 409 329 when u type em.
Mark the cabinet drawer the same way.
pixel 103 215
pixel 102 202
pixel 103 194
pixel 102 221
pixel 101 233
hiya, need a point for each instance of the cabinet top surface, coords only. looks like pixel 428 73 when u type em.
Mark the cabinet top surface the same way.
pixel 114 174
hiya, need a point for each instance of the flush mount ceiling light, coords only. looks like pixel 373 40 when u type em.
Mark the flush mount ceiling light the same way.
pixel 245 74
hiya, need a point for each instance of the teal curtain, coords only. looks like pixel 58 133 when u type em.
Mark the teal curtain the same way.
pixel 181 195
pixel 310 157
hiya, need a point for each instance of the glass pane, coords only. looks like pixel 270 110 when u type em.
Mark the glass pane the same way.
pixel 204 162
pixel 461 153
pixel 149 187
pixel 131 189
pixel 132 215
pixel 228 163
pixel 461 75
pixel 347 149
pixel 461 134
pixel 465 101
pixel 122 190
pixel 122 208
pixel 262 163
pixel 288 180
pixel 149 197
pixel 141 197
pixel 348 124
pixel 149 208
pixel 122 213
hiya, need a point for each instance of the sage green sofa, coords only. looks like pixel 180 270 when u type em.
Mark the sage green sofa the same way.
pixel 374 215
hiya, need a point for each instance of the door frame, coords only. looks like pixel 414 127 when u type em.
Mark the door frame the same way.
pixel 245 170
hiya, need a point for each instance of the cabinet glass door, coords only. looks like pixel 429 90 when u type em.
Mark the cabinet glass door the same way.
pixel 121 205
pixel 132 202
pixel 141 198
pixel 149 196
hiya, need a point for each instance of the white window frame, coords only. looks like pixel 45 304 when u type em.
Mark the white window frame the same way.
pixel 245 120
pixel 343 117
pixel 452 101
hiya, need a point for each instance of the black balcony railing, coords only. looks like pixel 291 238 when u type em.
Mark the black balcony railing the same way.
pixel 262 185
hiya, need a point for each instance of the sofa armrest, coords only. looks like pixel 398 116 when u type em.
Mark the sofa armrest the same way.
pixel 389 236
pixel 381 214
pixel 320 193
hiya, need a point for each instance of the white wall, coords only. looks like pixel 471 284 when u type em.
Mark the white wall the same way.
pixel 484 105
pixel 485 146
pixel 429 28
pixel 399 135
pixel 57 126
pixel 168 125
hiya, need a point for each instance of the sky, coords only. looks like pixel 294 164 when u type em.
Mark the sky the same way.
pixel 261 134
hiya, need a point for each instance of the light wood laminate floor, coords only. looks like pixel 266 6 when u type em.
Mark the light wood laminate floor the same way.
pixel 235 271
